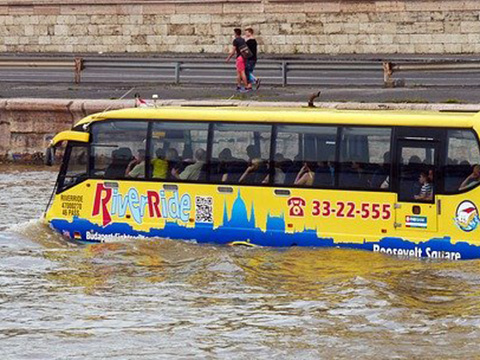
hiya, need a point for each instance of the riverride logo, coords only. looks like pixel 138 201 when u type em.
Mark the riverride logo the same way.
pixel 108 202
pixel 466 216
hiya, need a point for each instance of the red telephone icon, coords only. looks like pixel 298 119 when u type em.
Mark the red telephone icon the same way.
pixel 296 205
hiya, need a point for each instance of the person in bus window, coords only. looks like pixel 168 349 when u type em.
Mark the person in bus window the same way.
pixel 252 153
pixel 426 191
pixel 174 162
pixel 472 180
pixel 136 168
pixel 255 173
pixel 120 159
pixel 323 175
pixel 160 165
pixel 354 176
pixel 306 175
pixel 193 171
pixel 279 177
pixel 380 176
pixel 226 166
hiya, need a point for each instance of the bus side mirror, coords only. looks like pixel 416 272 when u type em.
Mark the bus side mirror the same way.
pixel 50 156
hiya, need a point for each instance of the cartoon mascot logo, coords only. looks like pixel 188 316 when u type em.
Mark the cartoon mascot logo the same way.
pixel 467 218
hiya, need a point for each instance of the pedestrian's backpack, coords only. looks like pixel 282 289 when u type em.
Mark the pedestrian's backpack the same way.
pixel 245 51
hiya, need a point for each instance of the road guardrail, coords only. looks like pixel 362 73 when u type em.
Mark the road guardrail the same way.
pixel 356 72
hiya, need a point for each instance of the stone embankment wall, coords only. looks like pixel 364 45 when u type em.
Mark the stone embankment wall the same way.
pixel 28 125
pixel 205 26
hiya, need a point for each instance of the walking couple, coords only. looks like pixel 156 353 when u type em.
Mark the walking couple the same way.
pixel 245 51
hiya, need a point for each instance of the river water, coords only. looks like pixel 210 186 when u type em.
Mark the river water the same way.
pixel 163 299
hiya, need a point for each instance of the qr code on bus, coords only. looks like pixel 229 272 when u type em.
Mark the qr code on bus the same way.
pixel 204 209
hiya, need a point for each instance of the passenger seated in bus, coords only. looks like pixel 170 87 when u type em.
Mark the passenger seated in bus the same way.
pixel 193 171
pixel 324 176
pixel 160 165
pixel 252 153
pixel 255 173
pixel 282 162
pixel 229 168
pixel 354 175
pixel 121 157
pixel 382 173
pixel 306 175
pixel 136 168
pixel 279 177
pixel 426 191
pixel 174 162
pixel 472 180
pixel 414 159
pixel 293 169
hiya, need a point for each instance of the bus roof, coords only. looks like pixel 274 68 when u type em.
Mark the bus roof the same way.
pixel 294 115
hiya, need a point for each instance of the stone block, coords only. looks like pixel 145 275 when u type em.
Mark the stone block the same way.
pixel 88 9
pixel 470 27
pixel 180 29
pixel 389 6
pixel 20 10
pixel 13 30
pixel 294 7
pixel 333 28
pixel 469 48
pixel 180 19
pixel 198 8
pixel 357 6
pixel 201 19
pixel 158 9
pixel 452 48
pixel 449 38
pixel 401 39
pixel 428 48
pixel 452 27
pixel 420 38
pixel 160 29
pixel 135 9
pixel 307 29
pixel 61 30
pixel 323 7
pixel 269 29
pixel 204 30
pixel 338 39
pixel 435 27
pixel 46 10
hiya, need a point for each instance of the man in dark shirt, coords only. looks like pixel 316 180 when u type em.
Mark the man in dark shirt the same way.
pixel 252 61
pixel 238 44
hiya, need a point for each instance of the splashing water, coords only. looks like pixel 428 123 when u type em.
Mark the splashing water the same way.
pixel 167 299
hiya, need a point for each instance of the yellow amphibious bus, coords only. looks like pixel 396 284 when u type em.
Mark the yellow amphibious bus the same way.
pixel 394 182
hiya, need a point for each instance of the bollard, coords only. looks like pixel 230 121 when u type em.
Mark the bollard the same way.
pixel 284 73
pixel 78 67
pixel 387 75
pixel 177 72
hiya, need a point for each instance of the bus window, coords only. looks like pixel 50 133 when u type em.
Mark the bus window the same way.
pixel 306 155
pixel 365 158
pixel 75 166
pixel 240 153
pixel 178 151
pixel 462 156
pixel 118 149
pixel 417 165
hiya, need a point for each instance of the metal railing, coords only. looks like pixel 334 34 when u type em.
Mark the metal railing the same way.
pixel 210 70
pixel 76 64
pixel 281 72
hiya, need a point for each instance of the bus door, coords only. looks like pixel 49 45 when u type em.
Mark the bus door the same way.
pixel 417 161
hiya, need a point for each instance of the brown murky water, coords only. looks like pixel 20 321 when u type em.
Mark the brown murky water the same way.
pixel 164 299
